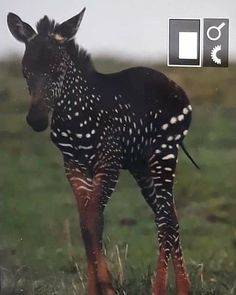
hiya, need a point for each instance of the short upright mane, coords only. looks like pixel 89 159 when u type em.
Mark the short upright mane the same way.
pixel 45 26
pixel 80 57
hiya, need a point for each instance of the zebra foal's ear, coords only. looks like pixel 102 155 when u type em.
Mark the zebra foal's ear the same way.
pixel 19 29
pixel 68 29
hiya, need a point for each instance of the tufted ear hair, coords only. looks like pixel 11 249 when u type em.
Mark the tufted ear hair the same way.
pixel 19 29
pixel 68 29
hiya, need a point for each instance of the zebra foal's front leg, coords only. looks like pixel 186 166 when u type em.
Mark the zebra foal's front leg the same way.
pixel 92 194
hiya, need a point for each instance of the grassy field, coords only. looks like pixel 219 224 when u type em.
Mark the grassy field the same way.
pixel 41 251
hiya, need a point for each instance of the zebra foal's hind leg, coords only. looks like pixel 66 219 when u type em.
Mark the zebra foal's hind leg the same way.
pixel 146 184
pixel 156 184
pixel 162 169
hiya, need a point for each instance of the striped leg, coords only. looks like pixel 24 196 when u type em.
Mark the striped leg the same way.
pixel 156 186
pixel 162 169
pixel 146 184
pixel 181 276
pixel 92 194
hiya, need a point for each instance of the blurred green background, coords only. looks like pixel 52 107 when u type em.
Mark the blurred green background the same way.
pixel 41 250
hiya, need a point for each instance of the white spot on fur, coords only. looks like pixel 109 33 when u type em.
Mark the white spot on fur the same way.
pixel 173 120
pixel 185 111
pixel 180 117
pixel 165 126
pixel 167 157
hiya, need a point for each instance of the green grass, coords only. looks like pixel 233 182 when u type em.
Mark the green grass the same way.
pixel 41 251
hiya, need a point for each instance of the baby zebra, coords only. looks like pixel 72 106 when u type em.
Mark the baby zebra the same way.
pixel 135 119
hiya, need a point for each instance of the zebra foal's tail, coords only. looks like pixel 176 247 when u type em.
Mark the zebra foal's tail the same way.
pixel 188 155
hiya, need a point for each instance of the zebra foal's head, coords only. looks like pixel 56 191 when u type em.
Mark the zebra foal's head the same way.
pixel 45 62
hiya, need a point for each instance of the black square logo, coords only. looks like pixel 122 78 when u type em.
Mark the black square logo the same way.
pixel 184 42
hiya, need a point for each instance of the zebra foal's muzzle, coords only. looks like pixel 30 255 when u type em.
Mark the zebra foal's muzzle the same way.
pixel 37 117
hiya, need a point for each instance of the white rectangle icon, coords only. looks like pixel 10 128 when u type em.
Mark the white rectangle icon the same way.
pixel 188 45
